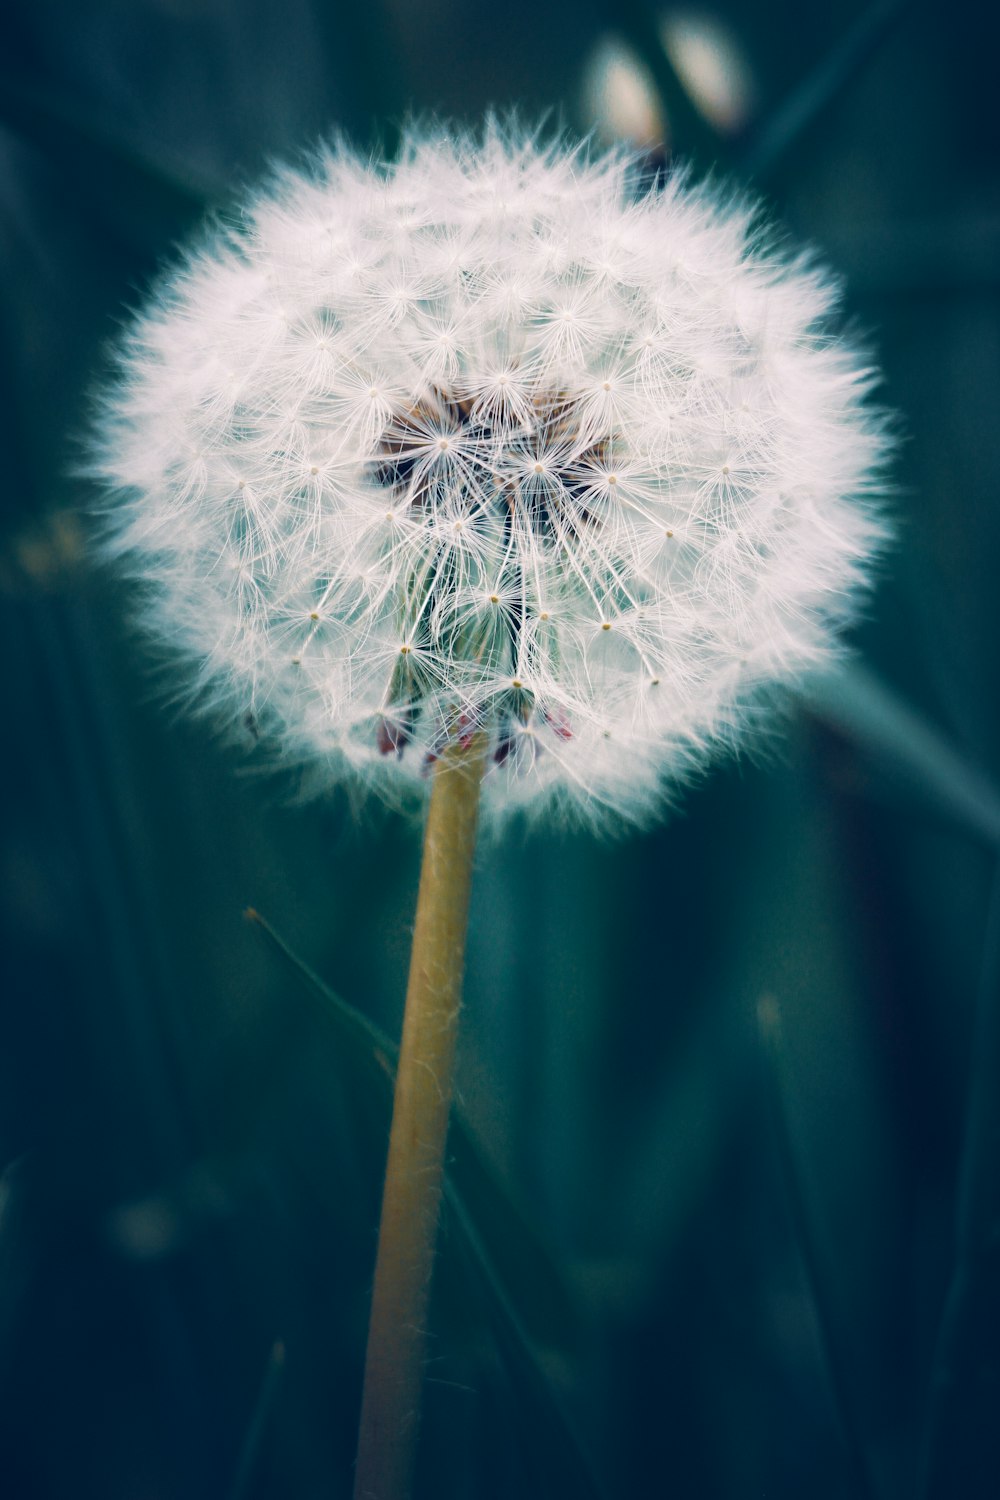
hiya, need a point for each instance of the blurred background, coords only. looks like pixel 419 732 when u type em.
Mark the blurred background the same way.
pixel 726 1179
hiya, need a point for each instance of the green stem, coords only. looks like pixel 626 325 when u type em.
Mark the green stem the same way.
pixel 394 1364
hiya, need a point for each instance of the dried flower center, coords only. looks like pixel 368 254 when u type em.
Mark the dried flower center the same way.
pixel 448 451
pixel 510 484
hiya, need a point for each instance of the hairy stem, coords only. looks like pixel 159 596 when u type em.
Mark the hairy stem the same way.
pixel 390 1407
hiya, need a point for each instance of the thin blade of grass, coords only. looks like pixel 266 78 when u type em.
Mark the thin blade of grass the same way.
pixel 816 1263
pixel 861 708
pixel 517 1258
pixel 820 88
pixel 360 1033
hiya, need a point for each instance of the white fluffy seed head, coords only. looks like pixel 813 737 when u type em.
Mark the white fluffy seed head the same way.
pixel 490 441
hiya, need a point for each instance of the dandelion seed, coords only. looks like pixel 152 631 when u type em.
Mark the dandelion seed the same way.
pixel 540 378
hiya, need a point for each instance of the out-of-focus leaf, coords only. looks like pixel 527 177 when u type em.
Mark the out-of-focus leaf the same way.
pixel 820 88
pixel 854 702
pixel 517 1260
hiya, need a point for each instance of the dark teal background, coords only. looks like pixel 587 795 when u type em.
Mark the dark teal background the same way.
pixel 748 1261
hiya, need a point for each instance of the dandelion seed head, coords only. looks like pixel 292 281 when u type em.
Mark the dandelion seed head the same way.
pixel 488 438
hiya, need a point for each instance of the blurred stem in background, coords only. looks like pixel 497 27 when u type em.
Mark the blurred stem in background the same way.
pixel 959 1444
pixel 390 1410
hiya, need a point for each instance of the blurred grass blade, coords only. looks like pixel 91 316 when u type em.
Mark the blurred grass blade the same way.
pixel 58 639
pixel 99 168
pixel 17 1258
pixel 816 1263
pixel 821 88
pixel 361 1034
pixel 269 1385
pixel 517 1258
pixel 961 1441
pixel 978 1197
pixel 855 703
pixel 376 98
pixel 557 1453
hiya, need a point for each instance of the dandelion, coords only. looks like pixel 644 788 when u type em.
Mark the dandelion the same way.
pixel 492 474
pixel 489 439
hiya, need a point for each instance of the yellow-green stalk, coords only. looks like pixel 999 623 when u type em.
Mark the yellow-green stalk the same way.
pixel 394 1364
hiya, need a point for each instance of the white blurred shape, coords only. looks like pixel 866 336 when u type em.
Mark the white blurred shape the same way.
pixel 619 96
pixel 711 65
